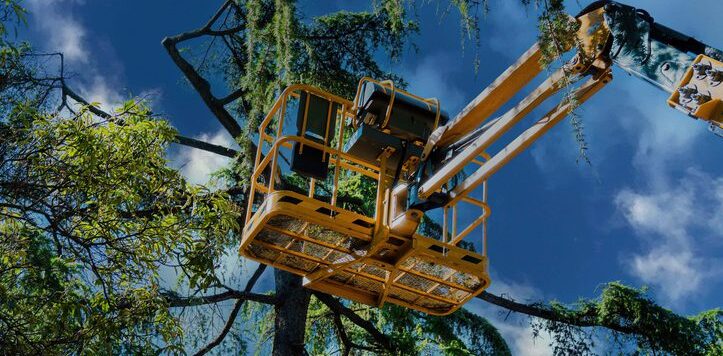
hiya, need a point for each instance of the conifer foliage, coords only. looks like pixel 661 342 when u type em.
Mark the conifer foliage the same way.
pixel 92 217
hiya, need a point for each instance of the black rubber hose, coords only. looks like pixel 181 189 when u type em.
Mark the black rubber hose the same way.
pixel 398 172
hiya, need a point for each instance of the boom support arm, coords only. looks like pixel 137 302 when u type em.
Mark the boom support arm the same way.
pixel 381 257
pixel 690 70
pixel 649 50
pixel 609 33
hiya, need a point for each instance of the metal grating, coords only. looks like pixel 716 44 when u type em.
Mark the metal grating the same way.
pixel 303 241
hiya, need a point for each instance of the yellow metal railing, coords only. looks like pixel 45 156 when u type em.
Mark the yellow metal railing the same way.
pixel 271 133
pixel 340 251
pixel 433 103
pixel 277 140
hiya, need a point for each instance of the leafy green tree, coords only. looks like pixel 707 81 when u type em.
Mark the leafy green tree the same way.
pixel 91 216
pixel 89 211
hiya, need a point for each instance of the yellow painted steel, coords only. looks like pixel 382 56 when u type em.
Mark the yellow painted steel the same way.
pixel 525 139
pixel 494 96
pixel 545 90
pixel 706 100
pixel 342 252
pixel 359 257
pixel 354 256
pixel 593 34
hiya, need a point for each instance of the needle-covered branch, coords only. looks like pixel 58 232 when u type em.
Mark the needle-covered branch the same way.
pixel 202 145
pixel 627 311
pixel 337 307
pixel 543 312
pixel 175 301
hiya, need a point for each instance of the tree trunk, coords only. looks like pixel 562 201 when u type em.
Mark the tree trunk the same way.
pixel 291 309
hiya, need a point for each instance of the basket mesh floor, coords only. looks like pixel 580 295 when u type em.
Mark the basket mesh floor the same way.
pixel 420 281
pixel 302 246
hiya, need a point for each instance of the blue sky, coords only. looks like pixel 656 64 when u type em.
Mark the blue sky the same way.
pixel 648 212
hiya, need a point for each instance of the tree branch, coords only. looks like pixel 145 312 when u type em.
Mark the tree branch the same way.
pixel 175 301
pixel 231 97
pixel 202 86
pixel 544 313
pixel 234 312
pixel 217 15
pixel 79 99
pixel 337 307
pixel 255 277
pixel 181 140
pixel 201 145
pixel 207 29
pixel 342 334
pixel 224 332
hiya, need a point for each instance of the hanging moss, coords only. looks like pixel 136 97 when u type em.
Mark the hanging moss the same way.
pixel 333 52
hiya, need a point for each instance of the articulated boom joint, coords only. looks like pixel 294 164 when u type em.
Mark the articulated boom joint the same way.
pixel 318 152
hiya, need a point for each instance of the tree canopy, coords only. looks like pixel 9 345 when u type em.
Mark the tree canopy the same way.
pixel 92 216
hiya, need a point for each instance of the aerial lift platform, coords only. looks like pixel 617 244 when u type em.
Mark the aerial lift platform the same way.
pixel 299 218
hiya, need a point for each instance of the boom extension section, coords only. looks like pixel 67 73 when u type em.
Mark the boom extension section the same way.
pixel 610 33
pixel 308 212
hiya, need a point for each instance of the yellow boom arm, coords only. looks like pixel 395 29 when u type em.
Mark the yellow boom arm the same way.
pixel 408 147
pixel 694 81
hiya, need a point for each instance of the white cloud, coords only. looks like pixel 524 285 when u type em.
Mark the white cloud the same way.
pixel 519 291
pixel 633 133
pixel 662 212
pixel 672 220
pixel 676 273
pixel 99 92
pixel 94 78
pixel 514 328
pixel 63 32
pixel 665 138
pixel 57 30
pixel 197 165
pixel 68 38
pixel 521 341
pixel 430 78
pixel 517 330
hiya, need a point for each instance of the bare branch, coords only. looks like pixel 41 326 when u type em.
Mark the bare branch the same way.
pixel 255 277
pixel 224 332
pixel 200 84
pixel 342 334
pixel 228 31
pixel 231 97
pixel 218 14
pixel 201 145
pixel 234 312
pixel 207 29
pixel 79 99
